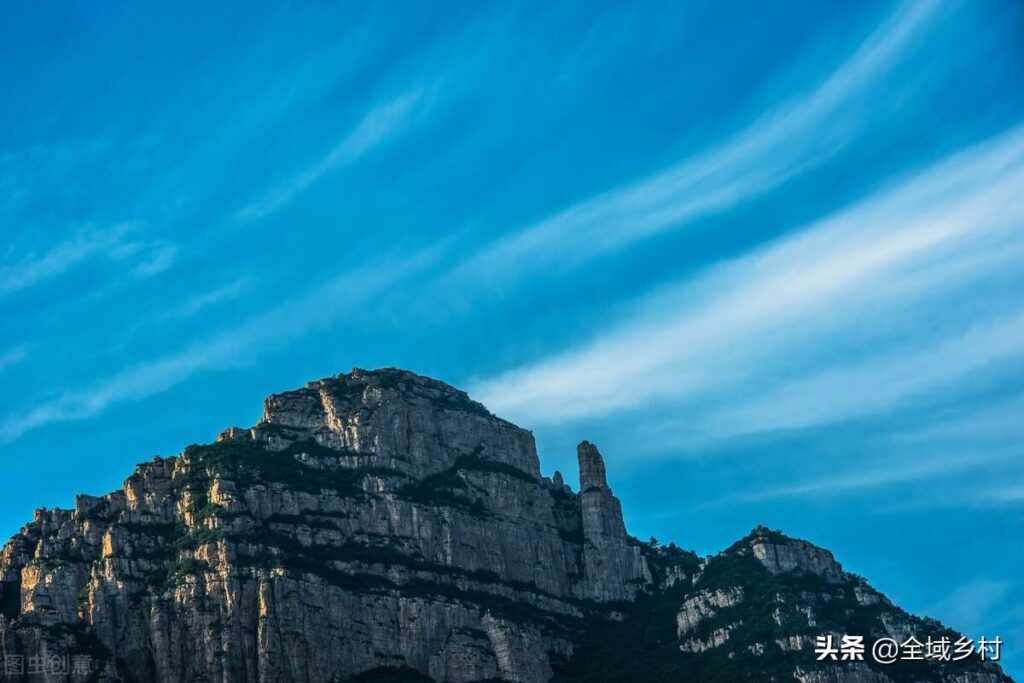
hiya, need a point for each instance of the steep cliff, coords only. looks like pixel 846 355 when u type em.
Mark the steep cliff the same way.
pixel 383 526
pixel 753 613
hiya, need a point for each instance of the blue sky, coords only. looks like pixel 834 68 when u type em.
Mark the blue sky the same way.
pixel 767 257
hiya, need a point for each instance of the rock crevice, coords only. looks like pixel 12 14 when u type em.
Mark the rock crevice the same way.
pixel 380 520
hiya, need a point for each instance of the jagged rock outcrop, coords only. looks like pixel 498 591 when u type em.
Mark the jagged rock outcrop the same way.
pixel 414 425
pixel 383 522
pixel 372 519
pixel 791 555
pixel 609 555
pixel 703 605
pixel 754 612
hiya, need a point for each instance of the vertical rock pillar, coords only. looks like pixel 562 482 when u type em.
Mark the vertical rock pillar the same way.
pixel 602 512
pixel 613 566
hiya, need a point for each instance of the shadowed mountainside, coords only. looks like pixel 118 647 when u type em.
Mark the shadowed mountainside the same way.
pixel 379 526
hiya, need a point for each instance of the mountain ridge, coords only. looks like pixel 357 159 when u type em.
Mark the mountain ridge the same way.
pixel 382 525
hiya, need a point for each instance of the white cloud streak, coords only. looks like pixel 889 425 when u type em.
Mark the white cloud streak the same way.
pixel 33 268
pixel 863 477
pixel 262 333
pixel 741 320
pixel 881 383
pixel 160 256
pixel 1009 495
pixel 377 125
pixel 776 147
pixel 116 243
pixel 204 300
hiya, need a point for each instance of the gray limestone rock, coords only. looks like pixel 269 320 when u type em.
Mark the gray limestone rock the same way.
pixel 382 519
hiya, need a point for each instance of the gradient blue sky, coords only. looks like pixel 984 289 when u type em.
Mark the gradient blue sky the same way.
pixel 767 256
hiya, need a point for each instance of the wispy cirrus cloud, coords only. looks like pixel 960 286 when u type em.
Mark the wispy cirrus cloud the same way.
pixel 200 302
pixel 859 477
pixel 119 243
pixel 969 454
pixel 192 305
pixel 159 257
pixel 880 383
pixel 34 175
pixel 790 140
pixel 260 334
pixel 381 122
pixel 1011 494
pixel 718 336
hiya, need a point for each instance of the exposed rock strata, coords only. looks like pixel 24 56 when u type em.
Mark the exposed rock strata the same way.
pixel 383 521
pixel 374 519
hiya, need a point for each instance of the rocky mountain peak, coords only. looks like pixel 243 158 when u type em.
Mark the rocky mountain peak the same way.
pixel 379 525
pixel 369 388
pixel 780 553
pixel 592 470
pixel 394 419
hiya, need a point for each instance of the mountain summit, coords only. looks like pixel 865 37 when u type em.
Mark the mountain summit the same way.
pixel 382 526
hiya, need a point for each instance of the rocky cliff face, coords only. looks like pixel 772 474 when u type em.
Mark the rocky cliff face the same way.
pixel 383 526
pixel 753 612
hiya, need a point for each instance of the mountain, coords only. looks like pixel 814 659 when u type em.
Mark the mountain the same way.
pixel 382 526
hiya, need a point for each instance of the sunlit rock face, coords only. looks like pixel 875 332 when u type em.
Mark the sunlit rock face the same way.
pixel 789 555
pixel 397 420
pixel 380 522
pixel 372 519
